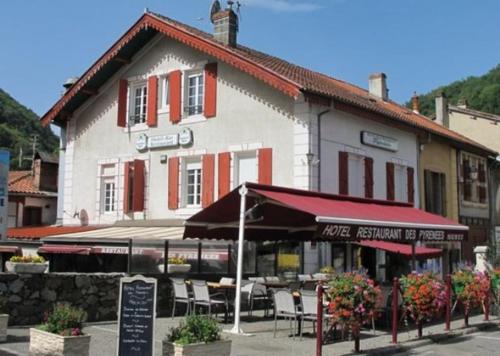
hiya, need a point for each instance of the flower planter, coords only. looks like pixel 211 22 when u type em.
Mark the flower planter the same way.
pixel 4 321
pixel 43 343
pixel 219 348
pixel 171 268
pixel 21 267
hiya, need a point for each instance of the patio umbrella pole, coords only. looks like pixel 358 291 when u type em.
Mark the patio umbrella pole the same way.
pixel 239 269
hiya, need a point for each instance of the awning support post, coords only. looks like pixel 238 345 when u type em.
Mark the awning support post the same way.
pixel 319 321
pixel 395 320
pixel 239 267
pixel 129 258
pixel 448 302
pixel 413 257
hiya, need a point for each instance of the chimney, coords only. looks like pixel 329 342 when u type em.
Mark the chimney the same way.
pixel 377 85
pixel 415 103
pixel 69 83
pixel 442 116
pixel 225 26
pixel 463 103
pixel 37 168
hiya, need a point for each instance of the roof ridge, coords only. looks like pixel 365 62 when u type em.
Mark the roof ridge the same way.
pixel 22 176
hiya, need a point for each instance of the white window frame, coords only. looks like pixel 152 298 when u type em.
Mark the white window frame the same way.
pixel 475 183
pixel 192 165
pixel 236 165
pixel 132 103
pixel 104 179
pixel 400 183
pixel 108 208
pixel 164 93
pixel 199 93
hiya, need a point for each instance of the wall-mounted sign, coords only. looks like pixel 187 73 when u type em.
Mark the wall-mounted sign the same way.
pixel 379 141
pixel 136 316
pixel 184 138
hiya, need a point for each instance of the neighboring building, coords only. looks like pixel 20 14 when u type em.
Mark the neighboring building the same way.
pixel 171 118
pixel 479 176
pixel 33 194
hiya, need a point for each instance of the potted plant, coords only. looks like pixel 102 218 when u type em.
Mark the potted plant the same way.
pixel 61 333
pixel 424 296
pixel 352 301
pixel 27 264
pixel 471 289
pixel 177 265
pixel 327 271
pixel 198 335
pixel 4 319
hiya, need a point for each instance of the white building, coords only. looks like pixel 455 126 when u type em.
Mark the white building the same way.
pixel 171 118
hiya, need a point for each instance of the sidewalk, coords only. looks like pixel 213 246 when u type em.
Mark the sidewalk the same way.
pixel 103 340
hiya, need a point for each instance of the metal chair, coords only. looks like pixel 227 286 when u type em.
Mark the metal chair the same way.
pixel 257 279
pixel 247 289
pixel 226 281
pixel 284 306
pixel 273 279
pixel 203 298
pixel 261 294
pixel 181 294
pixel 304 277
pixel 308 303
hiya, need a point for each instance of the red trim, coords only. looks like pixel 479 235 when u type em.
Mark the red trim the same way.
pixel 403 249
pixel 343 173
pixel 139 185
pixel 65 249
pixel 368 177
pixel 207 190
pixel 122 103
pixel 175 88
pixel 224 173
pixel 126 187
pixel 152 101
pixel 265 166
pixel 389 168
pixel 210 105
pixel 35 233
pixel 173 183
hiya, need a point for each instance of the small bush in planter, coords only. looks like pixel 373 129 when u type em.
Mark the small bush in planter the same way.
pixel 64 320
pixel 195 330
pixel 27 259
pixel 176 261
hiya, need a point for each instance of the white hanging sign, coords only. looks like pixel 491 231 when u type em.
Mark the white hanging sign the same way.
pixel 184 138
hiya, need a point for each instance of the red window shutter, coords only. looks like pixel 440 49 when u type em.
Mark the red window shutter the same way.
pixel 152 112
pixel 210 106
pixel 343 173
pixel 175 96
pixel 173 183
pixel 390 180
pixel 122 103
pixel 207 180
pixel 265 156
pixel 368 177
pixel 126 187
pixel 224 173
pixel 139 185
pixel 411 185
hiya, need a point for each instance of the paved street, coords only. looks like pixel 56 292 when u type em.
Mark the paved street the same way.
pixel 262 343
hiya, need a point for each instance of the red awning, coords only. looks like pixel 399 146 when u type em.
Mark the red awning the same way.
pixel 285 214
pixel 65 249
pixel 10 249
pixel 403 249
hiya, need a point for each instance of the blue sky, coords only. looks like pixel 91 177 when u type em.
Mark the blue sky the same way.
pixel 420 44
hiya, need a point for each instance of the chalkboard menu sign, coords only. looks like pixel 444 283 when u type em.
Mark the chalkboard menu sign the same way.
pixel 136 316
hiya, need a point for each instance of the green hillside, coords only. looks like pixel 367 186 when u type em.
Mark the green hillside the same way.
pixel 482 93
pixel 18 124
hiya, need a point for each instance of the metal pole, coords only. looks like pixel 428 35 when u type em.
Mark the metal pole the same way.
pixel 448 302
pixel 413 258
pixel 239 269
pixel 165 259
pixel 319 321
pixel 129 257
pixel 487 301
pixel 395 296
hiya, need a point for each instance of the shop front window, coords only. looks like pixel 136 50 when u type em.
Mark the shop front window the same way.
pixel 289 260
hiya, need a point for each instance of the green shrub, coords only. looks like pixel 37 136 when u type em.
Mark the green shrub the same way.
pixel 195 329
pixel 64 320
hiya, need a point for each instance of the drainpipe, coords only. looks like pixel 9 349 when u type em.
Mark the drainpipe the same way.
pixel 320 244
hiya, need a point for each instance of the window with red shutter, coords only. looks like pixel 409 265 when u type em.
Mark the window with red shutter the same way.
pixel 122 103
pixel 224 173
pixel 175 96
pixel 210 105
pixel 265 156
pixel 127 176
pixel 173 183
pixel 343 173
pixel 390 180
pixel 411 185
pixel 207 190
pixel 368 177
pixel 139 185
pixel 152 108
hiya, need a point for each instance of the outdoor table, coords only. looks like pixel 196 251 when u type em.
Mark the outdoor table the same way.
pixel 275 284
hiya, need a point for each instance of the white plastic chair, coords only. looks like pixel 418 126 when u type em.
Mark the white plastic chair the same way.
pixel 284 306
pixel 225 281
pixel 260 294
pixel 304 277
pixel 202 296
pixel 181 294
pixel 309 306
pixel 247 290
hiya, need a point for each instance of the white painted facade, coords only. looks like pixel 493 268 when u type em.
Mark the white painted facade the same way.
pixel 250 115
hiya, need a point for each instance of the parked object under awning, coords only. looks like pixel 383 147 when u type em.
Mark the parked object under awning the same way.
pixel 292 214
pixel 65 249
pixel 403 249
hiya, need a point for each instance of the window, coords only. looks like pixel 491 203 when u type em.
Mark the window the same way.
pixel 108 188
pixel 245 169
pixel 164 102
pixel 435 192
pixel 138 104
pixel 356 171
pixel 473 178
pixel 194 94
pixel 400 183
pixel 12 214
pixel 193 184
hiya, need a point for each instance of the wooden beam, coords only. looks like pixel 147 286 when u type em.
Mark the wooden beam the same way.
pixel 122 60
pixel 90 91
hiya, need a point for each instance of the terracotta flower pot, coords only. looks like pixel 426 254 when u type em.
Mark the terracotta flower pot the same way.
pixel 43 343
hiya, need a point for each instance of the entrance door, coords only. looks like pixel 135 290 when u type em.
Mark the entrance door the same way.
pixel 32 216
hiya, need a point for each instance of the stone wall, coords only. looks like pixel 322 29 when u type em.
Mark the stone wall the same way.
pixel 29 296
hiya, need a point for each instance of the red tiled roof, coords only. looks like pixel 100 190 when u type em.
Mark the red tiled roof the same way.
pixel 36 233
pixel 285 76
pixel 22 182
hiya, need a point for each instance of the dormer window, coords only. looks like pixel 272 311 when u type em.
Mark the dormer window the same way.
pixel 138 103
